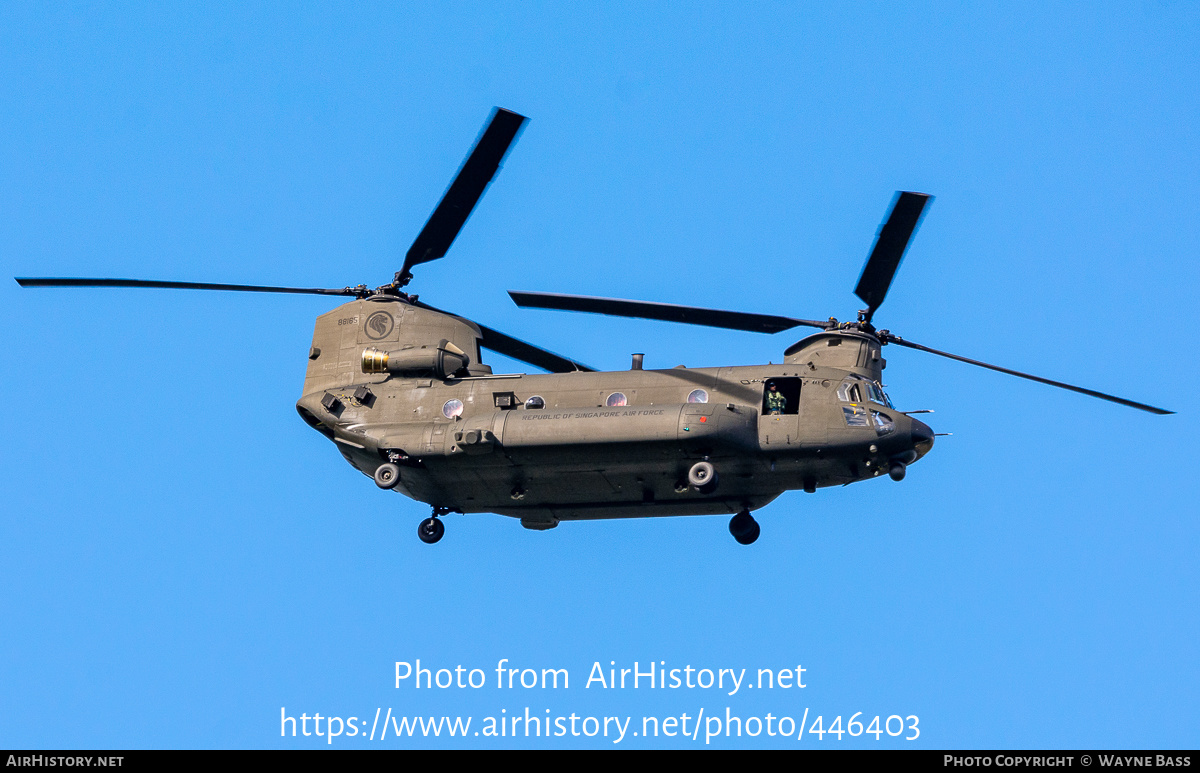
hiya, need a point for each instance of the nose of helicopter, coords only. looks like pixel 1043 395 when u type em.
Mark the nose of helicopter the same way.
pixel 922 437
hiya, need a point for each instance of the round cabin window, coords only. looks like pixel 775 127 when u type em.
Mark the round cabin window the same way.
pixel 616 400
pixel 452 409
pixel 535 403
pixel 698 396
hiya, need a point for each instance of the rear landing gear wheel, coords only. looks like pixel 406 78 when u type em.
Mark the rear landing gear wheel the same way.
pixel 431 530
pixel 744 528
pixel 703 477
pixel 387 476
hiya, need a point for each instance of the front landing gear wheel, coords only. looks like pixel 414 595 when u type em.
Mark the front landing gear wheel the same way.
pixel 749 537
pixel 431 530
pixel 387 476
pixel 744 528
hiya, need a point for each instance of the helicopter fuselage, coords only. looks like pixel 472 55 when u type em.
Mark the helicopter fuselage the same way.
pixel 580 445
pixel 402 391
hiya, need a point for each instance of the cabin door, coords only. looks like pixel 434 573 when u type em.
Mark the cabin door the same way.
pixel 779 413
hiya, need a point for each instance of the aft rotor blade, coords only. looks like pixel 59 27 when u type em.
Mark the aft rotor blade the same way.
pixel 890 244
pixel 88 282
pixel 518 349
pixel 667 312
pixel 460 198
pixel 527 352
pixel 892 339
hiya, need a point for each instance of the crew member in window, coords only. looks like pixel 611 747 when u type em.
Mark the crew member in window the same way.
pixel 776 403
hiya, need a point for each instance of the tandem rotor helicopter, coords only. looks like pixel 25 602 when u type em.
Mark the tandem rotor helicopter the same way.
pixel 401 390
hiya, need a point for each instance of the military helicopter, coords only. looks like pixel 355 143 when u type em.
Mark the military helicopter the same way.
pixel 400 388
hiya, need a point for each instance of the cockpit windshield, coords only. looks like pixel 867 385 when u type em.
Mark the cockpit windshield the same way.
pixel 877 394
pixel 853 389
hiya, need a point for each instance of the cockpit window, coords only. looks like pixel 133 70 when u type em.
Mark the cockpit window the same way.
pixel 849 392
pixel 877 395
pixel 855 416
pixel 854 388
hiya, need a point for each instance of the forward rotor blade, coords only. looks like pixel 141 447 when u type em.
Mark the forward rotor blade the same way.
pixel 460 198
pixel 87 282
pixel 892 339
pixel 890 244
pixel 667 312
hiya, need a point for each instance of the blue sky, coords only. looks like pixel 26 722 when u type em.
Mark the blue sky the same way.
pixel 181 557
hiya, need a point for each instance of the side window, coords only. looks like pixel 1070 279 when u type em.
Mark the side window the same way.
pixel 781 396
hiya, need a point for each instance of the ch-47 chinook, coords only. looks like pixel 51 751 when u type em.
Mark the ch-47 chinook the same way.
pixel 399 387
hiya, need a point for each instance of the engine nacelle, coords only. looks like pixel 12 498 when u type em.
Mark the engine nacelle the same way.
pixel 442 360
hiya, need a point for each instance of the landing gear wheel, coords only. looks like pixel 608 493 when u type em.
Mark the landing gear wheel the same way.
pixel 387 476
pixel 703 477
pixel 431 530
pixel 749 537
pixel 744 528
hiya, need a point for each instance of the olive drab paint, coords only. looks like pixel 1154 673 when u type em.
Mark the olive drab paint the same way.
pixel 402 391
pixel 576 458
